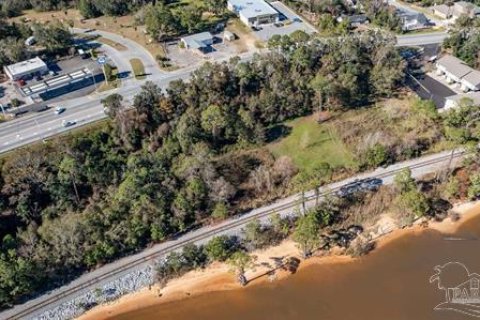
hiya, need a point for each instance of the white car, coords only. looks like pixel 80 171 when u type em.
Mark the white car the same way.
pixel 68 123
pixel 59 110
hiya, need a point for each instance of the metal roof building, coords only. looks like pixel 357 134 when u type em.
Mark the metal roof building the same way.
pixel 25 68
pixel 471 81
pixel 457 71
pixel 253 12
pixel 198 41
pixel 453 68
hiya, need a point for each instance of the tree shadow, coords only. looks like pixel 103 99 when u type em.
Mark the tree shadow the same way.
pixel 277 132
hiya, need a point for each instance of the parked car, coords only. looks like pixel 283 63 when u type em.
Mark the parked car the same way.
pixel 59 110
pixel 21 82
pixel 297 19
pixel 68 123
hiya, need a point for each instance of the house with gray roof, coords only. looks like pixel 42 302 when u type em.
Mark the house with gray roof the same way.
pixel 199 41
pixel 452 68
pixel 457 71
pixel 254 12
pixel 413 20
pixel 471 81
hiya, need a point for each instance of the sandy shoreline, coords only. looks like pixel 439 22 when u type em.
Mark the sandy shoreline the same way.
pixel 218 277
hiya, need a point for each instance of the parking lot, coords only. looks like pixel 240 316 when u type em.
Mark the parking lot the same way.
pixel 62 68
pixel 289 22
pixel 181 57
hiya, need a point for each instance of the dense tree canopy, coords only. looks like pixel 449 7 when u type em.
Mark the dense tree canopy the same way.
pixel 162 166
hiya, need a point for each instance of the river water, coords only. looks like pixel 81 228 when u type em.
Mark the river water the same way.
pixel 392 282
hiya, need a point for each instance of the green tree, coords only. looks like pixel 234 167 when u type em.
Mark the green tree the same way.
pixel 404 181
pixel 214 120
pixel 376 156
pixel 190 18
pixel 220 211
pixel 159 21
pixel 415 202
pixel 239 261
pixel 321 85
pixel 219 248
pixel 254 234
pixel 54 37
pixel 307 233
pixel 112 104
pixel 88 9
pixel 474 186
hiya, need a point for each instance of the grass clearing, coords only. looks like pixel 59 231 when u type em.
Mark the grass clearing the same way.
pixel 310 144
pixel 113 83
pixel 111 43
pixel 138 69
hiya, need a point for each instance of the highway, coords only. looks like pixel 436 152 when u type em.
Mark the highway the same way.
pixel 288 206
pixel 40 126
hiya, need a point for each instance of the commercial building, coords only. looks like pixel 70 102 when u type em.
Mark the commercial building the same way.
pixel 254 12
pixel 199 41
pixel 457 71
pixel 26 68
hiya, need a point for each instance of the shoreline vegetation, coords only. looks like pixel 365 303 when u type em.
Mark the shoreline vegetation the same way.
pixel 218 276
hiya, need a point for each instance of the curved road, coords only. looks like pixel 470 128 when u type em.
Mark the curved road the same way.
pixel 84 110
pixel 134 50
pixel 35 127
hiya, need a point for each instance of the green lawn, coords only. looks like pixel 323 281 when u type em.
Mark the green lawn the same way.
pixel 310 144
pixel 138 68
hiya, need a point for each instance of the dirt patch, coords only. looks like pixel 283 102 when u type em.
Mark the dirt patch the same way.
pixel 124 26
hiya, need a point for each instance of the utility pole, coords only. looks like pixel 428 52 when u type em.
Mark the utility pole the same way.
pixel 3 111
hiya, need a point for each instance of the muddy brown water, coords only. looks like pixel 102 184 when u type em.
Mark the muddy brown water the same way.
pixel 390 283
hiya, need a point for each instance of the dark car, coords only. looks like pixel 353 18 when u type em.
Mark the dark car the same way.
pixel 369 184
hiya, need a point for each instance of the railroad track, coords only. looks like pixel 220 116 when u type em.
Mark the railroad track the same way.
pixel 30 310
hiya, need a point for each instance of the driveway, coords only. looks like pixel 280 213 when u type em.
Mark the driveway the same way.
pixel 134 50
pixel 429 87
pixel 292 22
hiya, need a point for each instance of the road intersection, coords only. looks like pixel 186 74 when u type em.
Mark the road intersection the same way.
pixel 84 110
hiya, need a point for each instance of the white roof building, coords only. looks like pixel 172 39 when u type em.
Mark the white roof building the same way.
pixel 253 12
pixel 25 68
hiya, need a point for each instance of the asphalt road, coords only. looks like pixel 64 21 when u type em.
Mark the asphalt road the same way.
pixel 35 127
pixel 288 206
pixel 421 39
pixel 84 110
